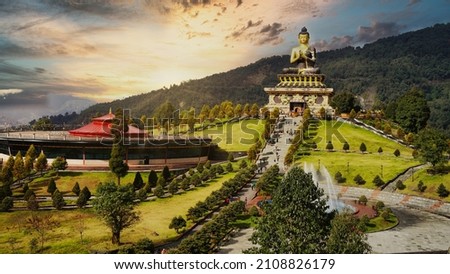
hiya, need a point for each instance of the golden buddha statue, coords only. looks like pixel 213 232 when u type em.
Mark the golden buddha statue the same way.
pixel 303 56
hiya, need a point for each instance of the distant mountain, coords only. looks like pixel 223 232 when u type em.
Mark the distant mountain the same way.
pixel 55 105
pixel 378 72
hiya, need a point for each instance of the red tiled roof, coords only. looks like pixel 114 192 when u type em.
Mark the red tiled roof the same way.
pixel 101 127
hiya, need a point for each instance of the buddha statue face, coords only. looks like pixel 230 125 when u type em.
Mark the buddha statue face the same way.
pixel 303 39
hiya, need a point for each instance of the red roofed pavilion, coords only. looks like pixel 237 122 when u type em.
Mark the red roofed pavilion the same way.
pixel 101 127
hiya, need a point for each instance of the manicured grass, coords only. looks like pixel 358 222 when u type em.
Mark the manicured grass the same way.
pixel 155 218
pixel 339 133
pixel 431 181
pixel 379 224
pixel 67 180
pixel 239 136
pixel 352 163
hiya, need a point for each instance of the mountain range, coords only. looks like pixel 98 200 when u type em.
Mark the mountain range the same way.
pixel 377 73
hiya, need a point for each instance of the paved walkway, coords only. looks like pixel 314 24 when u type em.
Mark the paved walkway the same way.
pixel 424 223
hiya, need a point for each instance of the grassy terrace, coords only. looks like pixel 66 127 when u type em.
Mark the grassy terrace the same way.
pixel 238 136
pixel 430 181
pixel 351 163
pixel 155 218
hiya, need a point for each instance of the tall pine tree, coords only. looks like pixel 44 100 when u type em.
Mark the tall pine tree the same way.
pixel 297 220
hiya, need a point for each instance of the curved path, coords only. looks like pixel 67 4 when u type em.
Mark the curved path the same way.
pixel 423 227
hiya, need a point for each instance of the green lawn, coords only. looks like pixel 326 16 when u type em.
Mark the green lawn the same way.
pixel 339 133
pixel 379 224
pixel 67 179
pixel 155 219
pixel 239 136
pixel 368 165
pixel 431 181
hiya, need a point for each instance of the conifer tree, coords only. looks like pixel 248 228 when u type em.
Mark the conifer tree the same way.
pixel 51 187
pixel 7 175
pixel 166 173
pixel 152 178
pixel 294 227
pixel 19 167
pixel 41 162
pixel 58 200
pixel 138 182
pixel 76 189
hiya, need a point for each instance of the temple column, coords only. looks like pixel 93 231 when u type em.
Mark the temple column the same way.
pixel 84 156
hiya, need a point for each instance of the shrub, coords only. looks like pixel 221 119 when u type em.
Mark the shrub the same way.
pixel 397 152
pixel 200 167
pixel 421 186
pixel 359 180
pixel 161 182
pixel 385 215
pixel 339 178
pixel 7 204
pixel 177 223
pixel 207 164
pixel 362 200
pixel 329 146
pixel 82 200
pixel 362 148
pixel 365 220
pixel 400 185
pixel 142 194
pixel 380 150
pixel 378 181
pixel 158 191
pixel 58 200
pixel 76 189
pixel 243 164
pixel 152 179
pixel 185 184
pixel 51 186
pixel 379 206
pixel 173 187
pixel 254 211
pixel 442 191
pixel 346 147
pixel 166 173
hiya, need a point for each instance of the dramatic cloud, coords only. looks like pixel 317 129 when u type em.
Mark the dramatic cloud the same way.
pixel 363 35
pixel 4 92
pixel 376 31
pixel 334 43
pixel 238 33
pixel 270 34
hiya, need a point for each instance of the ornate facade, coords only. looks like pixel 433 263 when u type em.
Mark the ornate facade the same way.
pixel 301 85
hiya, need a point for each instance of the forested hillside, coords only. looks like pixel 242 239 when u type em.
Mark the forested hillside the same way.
pixel 378 72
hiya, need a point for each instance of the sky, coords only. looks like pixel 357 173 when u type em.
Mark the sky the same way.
pixel 58 56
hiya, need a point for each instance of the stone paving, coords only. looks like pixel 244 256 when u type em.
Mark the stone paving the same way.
pixel 423 227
